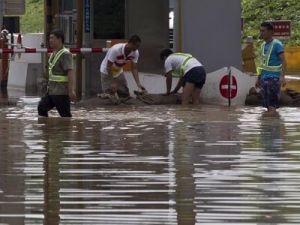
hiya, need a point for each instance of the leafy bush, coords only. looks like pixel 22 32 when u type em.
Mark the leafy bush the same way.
pixel 257 11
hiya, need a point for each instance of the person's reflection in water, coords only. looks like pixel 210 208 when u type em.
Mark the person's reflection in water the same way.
pixel 55 131
pixel 185 182
pixel 272 134
pixel 3 96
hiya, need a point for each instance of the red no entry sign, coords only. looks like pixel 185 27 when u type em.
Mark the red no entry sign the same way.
pixel 228 88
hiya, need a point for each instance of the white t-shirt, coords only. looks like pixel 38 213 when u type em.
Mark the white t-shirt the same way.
pixel 174 62
pixel 116 55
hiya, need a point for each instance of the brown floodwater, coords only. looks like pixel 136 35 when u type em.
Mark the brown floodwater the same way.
pixel 149 165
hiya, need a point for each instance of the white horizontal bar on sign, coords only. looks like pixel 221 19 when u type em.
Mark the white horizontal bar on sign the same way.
pixel 233 87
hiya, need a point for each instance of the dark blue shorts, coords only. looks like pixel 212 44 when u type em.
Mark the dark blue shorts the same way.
pixel 197 76
pixel 270 92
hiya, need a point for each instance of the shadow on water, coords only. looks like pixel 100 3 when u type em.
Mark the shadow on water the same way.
pixel 149 165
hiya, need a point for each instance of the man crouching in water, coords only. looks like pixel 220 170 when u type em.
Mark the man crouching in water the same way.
pixel 190 72
pixel 113 80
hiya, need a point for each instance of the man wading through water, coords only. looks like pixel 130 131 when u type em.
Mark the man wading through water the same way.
pixel 271 72
pixel 61 84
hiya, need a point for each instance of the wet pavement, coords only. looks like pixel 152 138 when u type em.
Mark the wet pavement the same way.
pixel 149 165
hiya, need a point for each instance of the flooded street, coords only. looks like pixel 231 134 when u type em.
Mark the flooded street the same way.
pixel 149 165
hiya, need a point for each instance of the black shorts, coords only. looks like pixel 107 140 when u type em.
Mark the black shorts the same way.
pixel 197 76
pixel 60 102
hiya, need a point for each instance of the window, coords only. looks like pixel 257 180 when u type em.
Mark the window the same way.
pixel 109 19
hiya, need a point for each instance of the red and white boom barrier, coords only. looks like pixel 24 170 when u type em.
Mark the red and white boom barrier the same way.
pixel 49 50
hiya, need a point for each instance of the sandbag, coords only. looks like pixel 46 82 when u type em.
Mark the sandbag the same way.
pixel 288 97
pixel 142 98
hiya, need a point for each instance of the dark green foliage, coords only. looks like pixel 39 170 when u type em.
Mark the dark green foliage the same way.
pixel 257 11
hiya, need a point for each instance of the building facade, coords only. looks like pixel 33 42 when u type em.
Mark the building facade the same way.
pixel 209 29
pixel 104 20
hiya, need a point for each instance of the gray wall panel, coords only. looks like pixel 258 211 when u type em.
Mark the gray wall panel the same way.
pixel 212 32
pixel 150 20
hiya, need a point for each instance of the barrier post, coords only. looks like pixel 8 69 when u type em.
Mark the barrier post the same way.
pixel 229 86
pixel 4 63
pixel 1 56
pixel 79 41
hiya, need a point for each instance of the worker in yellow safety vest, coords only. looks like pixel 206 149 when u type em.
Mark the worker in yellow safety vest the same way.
pixel 271 72
pixel 61 83
pixel 189 70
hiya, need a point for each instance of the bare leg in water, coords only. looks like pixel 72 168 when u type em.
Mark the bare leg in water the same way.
pixel 196 96
pixel 187 93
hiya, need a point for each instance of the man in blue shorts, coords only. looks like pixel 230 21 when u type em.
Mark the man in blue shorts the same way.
pixel 271 72
pixel 190 72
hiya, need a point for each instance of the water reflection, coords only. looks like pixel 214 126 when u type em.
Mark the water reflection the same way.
pixel 91 182
pixel 180 146
pixel 149 165
pixel 3 96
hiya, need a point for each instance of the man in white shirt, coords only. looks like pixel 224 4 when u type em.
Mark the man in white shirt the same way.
pixel 113 80
pixel 190 72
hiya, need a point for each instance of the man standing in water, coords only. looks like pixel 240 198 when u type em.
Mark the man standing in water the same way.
pixel 271 72
pixel 61 86
pixel 190 72
pixel 113 80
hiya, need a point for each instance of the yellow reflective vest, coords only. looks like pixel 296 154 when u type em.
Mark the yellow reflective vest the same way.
pixel 52 62
pixel 266 59
pixel 181 71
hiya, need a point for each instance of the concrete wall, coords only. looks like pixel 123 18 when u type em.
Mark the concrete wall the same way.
pixel 172 4
pixel 92 77
pixel 211 31
pixel 25 71
pixel 150 20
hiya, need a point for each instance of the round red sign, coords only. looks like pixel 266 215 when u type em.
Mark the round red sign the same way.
pixel 226 90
